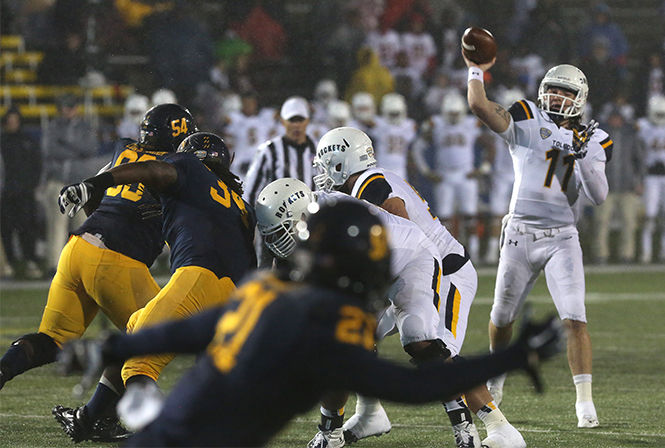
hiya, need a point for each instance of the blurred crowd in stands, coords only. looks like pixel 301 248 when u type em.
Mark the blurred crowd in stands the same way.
pixel 391 67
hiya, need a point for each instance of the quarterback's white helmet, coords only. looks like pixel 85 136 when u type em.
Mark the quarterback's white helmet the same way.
pixel 325 91
pixel 656 110
pixel 570 78
pixel 510 97
pixel 280 205
pixel 340 153
pixel 163 96
pixel 393 107
pixel 339 113
pixel 363 107
pixel 453 107
pixel 136 106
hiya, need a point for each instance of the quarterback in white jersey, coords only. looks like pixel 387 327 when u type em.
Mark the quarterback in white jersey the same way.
pixel 394 132
pixel 651 134
pixel 555 159
pixel 345 162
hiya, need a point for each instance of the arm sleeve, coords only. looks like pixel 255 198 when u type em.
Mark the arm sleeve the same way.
pixel 190 335
pixel 375 189
pixel 592 176
pixel 364 373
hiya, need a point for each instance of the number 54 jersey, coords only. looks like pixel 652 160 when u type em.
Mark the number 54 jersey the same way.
pixel 547 180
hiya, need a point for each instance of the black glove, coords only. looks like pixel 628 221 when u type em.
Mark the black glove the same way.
pixel 541 340
pixel 86 356
pixel 581 139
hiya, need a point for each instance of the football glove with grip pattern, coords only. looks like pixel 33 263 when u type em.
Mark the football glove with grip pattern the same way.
pixel 581 139
pixel 73 197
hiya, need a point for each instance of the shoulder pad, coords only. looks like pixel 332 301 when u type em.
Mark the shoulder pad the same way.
pixel 605 142
pixel 374 188
pixel 521 110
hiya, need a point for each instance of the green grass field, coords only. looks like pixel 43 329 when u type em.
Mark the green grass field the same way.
pixel 626 310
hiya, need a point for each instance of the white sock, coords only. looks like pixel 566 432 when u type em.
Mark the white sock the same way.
pixel 366 405
pixel 583 387
pixel 491 416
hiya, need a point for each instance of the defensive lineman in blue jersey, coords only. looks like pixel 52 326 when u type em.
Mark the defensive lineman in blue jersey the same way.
pixel 208 226
pixel 104 266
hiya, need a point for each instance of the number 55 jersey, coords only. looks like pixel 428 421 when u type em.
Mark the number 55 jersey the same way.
pixel 547 179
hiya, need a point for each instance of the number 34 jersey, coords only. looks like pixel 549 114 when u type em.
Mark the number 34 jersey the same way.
pixel 547 180
pixel 128 219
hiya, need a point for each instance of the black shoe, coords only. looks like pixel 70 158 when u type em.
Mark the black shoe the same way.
pixel 109 429
pixel 75 422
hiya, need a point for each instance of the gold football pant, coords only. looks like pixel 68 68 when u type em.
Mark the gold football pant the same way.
pixel 90 278
pixel 190 290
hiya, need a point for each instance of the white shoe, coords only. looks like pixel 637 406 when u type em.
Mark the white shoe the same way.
pixel 327 439
pixel 504 436
pixel 360 426
pixel 466 435
pixel 586 415
pixel 495 388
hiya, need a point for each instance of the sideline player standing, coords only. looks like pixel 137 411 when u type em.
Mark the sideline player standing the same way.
pixel 555 158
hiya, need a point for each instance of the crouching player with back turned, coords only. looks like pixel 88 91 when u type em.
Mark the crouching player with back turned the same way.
pixel 287 337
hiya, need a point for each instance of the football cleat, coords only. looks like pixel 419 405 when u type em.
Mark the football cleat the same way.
pixel 327 439
pixel 586 415
pixel 504 436
pixel 361 426
pixel 466 435
pixel 495 388
pixel 75 422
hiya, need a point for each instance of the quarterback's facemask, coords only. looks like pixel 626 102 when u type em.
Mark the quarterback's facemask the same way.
pixel 569 78
pixel 280 205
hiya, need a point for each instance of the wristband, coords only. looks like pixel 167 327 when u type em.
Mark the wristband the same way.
pixel 475 73
pixel 102 181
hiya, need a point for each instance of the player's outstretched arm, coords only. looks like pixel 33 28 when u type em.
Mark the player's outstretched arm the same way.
pixel 492 114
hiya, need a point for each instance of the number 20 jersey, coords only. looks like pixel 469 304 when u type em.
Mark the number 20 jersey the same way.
pixel 121 221
pixel 547 182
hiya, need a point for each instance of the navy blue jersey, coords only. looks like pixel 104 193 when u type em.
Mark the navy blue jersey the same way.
pixel 207 224
pixel 128 218
pixel 272 352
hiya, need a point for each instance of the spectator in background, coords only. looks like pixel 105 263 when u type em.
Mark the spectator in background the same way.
pixel 371 76
pixel 264 33
pixel 601 25
pixel 345 41
pixel 419 46
pixel 624 178
pixel 547 34
pixel 602 73
pixel 386 43
pixel 70 154
pixel 650 79
pixel 65 63
pixel 22 163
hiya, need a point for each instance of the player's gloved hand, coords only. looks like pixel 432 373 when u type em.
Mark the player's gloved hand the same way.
pixel 73 197
pixel 541 340
pixel 86 356
pixel 581 139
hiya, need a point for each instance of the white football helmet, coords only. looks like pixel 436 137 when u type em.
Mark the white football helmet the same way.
pixel 571 78
pixel 339 113
pixel 231 103
pixel 163 96
pixel 279 207
pixel 656 110
pixel 510 97
pixel 135 107
pixel 393 108
pixel 453 107
pixel 325 91
pixel 363 107
pixel 340 153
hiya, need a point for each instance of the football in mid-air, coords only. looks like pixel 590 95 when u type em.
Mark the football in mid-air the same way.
pixel 478 45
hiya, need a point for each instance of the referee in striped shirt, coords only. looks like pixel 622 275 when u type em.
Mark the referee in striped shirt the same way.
pixel 287 155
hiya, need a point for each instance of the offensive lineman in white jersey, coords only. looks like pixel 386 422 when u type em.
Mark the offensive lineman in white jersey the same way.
pixel 555 158
pixel 394 133
pixel 651 134
pixel 345 162
pixel 453 133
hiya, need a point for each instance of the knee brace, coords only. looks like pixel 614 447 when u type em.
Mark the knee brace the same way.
pixel 436 349
pixel 27 352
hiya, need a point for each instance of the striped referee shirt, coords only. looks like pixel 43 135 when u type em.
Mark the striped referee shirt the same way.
pixel 278 158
